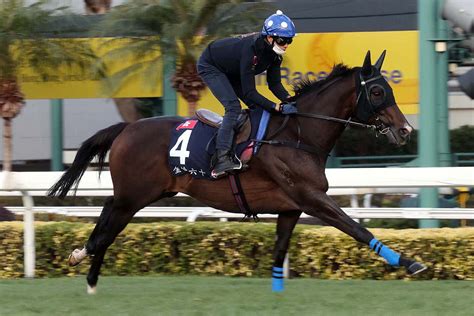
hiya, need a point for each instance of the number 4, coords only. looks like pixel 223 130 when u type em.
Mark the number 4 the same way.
pixel 182 153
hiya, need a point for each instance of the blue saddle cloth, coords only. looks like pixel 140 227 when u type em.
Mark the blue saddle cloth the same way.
pixel 193 143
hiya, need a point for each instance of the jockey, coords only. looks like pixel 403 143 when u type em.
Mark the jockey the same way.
pixel 228 67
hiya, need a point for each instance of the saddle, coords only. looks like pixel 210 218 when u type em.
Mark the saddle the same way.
pixel 242 128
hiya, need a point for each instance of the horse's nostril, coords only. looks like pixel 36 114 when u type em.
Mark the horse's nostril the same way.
pixel 404 132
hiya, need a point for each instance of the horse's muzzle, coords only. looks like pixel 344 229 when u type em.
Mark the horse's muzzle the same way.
pixel 399 136
pixel 404 133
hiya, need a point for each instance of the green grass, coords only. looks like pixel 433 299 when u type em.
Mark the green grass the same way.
pixel 193 295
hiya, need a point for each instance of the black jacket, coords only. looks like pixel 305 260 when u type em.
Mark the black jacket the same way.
pixel 243 57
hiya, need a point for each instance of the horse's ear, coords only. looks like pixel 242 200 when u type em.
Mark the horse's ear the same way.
pixel 367 67
pixel 378 64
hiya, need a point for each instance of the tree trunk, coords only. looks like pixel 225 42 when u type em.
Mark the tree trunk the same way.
pixel 7 144
pixel 126 107
pixel 192 107
pixel 97 6
pixel 128 110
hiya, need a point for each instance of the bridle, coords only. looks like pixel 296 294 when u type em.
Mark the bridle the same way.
pixel 364 88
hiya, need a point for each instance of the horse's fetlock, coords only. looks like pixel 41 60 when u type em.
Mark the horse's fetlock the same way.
pixel 404 262
pixel 92 281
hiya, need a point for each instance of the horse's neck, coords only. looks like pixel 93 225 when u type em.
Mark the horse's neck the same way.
pixel 338 102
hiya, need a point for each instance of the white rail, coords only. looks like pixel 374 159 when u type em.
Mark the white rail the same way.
pixel 192 213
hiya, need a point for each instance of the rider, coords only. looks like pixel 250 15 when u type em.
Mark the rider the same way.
pixel 228 67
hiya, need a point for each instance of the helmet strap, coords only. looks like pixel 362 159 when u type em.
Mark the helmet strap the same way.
pixel 275 48
pixel 266 30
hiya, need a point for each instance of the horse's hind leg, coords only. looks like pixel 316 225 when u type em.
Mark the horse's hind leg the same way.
pixel 116 219
pixel 79 254
pixel 332 214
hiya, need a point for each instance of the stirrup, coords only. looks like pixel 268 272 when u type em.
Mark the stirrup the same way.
pixel 217 175
pixel 225 172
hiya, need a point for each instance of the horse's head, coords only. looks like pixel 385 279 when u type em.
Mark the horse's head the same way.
pixel 376 103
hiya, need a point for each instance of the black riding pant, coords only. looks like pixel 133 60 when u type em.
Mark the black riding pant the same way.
pixel 227 93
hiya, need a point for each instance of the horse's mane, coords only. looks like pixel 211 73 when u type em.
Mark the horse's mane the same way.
pixel 307 85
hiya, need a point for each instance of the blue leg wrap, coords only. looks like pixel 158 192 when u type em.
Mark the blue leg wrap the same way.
pixel 388 254
pixel 277 279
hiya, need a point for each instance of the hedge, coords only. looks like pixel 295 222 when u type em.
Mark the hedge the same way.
pixel 239 249
pixel 362 142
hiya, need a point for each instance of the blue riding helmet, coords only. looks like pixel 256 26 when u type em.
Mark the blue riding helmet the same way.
pixel 279 24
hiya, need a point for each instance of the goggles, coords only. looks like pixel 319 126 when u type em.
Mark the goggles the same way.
pixel 282 41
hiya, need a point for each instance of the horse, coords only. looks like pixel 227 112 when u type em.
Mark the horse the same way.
pixel 286 177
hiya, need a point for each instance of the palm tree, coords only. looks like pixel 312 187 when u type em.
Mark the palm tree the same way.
pixel 24 43
pixel 177 29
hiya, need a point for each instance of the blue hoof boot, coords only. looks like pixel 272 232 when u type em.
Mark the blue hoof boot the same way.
pixel 277 279
pixel 277 285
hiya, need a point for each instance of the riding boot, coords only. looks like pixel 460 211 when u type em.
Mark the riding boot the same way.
pixel 226 162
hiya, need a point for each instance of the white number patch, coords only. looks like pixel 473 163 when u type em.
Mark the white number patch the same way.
pixel 182 152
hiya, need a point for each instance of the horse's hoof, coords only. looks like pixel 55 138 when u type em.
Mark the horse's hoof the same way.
pixel 416 268
pixel 76 257
pixel 91 289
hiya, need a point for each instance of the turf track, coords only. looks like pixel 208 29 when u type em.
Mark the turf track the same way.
pixel 193 295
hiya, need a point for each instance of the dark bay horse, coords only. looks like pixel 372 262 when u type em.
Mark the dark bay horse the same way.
pixel 282 180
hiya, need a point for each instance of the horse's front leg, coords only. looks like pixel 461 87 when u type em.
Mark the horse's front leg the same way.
pixel 319 204
pixel 285 224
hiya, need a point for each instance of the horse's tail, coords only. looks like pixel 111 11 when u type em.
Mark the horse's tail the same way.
pixel 97 145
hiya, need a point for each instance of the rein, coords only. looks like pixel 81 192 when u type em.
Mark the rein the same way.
pixel 379 129
pixel 335 119
pixel 363 84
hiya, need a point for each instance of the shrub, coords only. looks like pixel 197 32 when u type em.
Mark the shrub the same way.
pixel 243 249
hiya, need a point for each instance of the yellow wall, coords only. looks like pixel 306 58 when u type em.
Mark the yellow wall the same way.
pixel 313 55
pixel 66 83
pixel 310 55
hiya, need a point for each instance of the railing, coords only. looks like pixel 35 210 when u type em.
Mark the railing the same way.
pixel 463 159
pixel 457 160
pixel 191 214
pixel 373 161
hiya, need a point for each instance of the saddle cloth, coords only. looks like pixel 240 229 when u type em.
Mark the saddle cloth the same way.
pixel 193 142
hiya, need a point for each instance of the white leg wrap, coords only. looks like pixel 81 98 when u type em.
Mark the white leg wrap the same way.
pixel 77 256
pixel 91 289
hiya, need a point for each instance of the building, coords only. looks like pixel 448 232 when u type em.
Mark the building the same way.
pixel 83 117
